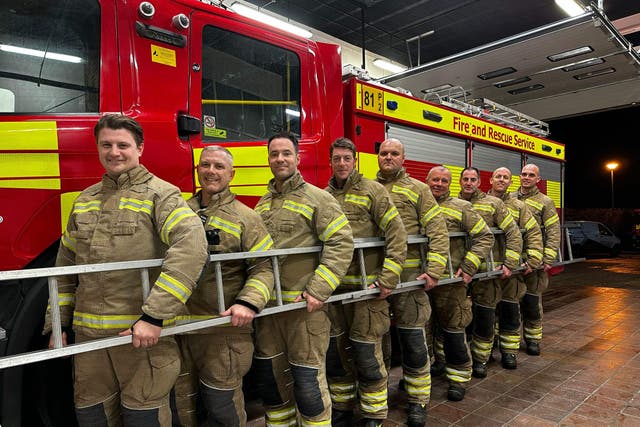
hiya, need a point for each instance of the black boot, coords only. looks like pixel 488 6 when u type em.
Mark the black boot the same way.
pixel 341 418
pixel 509 361
pixel 372 422
pixel 416 415
pixel 455 393
pixel 533 348
pixel 479 369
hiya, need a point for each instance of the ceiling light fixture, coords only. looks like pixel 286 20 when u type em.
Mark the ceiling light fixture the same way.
pixel 595 73
pixel 40 53
pixel 569 53
pixel 249 12
pixel 437 88
pixel 511 82
pixel 526 89
pixel 497 73
pixel 570 7
pixel 386 65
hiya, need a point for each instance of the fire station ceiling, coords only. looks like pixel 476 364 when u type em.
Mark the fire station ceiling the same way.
pixel 496 49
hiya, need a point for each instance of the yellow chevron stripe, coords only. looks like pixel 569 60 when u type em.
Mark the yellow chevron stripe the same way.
pixel 31 184
pixel 20 165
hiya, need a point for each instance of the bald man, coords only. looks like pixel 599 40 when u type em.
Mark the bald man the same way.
pixel 544 211
pixel 421 215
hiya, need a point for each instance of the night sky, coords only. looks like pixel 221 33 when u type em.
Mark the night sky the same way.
pixel 592 141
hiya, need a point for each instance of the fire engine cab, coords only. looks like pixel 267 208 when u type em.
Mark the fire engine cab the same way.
pixel 192 74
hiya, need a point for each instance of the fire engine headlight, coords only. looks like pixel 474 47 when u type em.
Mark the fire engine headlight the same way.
pixel 146 10
pixel 181 21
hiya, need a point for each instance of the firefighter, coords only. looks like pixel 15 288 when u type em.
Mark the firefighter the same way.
pixel 411 310
pixel 291 347
pixel 514 288
pixel 506 256
pixel 357 329
pixel 129 215
pixel 544 211
pixel 222 355
pixel 451 305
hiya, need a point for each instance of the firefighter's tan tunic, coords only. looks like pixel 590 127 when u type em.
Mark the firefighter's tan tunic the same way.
pixel 137 216
pixel 291 346
pixel 222 355
pixel 361 326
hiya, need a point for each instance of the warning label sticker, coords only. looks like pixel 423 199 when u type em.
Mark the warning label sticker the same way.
pixel 162 55
pixel 210 129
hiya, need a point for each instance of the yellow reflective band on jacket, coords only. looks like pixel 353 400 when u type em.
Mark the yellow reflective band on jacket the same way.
pixel 358 200
pixel 328 276
pixel 172 220
pixel 533 253
pixel 226 226
pixel 484 208
pixel 551 220
pixel 473 258
pixel 64 299
pixel 413 196
pixel 94 321
pixel 530 224
pixel 81 207
pixel 453 213
pixel 536 205
pixel 334 226
pixel 515 213
pixel 263 245
pixel 478 227
pixel 411 263
pixel 436 257
pixel 458 375
pixel 174 287
pixel 373 401
pixel 393 266
pixel 281 417
pixel 550 252
pixel 261 287
pixel 508 220
pixel 69 242
pixel 428 216
pixel 263 207
pixel 136 205
pixel 391 213
pixel 357 280
pixel 512 254
pixel 302 209
pixel 288 296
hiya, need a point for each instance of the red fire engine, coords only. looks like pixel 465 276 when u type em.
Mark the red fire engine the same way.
pixel 193 74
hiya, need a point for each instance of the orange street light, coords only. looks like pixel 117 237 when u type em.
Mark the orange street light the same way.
pixel 612 166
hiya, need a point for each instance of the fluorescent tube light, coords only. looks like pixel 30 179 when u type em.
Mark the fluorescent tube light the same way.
pixel 292 113
pixel 570 53
pixel 386 65
pixel 249 12
pixel 40 53
pixel 497 73
pixel 570 7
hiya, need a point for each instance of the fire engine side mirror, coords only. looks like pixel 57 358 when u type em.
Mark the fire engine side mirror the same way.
pixel 188 125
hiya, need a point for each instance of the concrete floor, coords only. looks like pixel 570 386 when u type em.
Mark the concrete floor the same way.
pixel 588 373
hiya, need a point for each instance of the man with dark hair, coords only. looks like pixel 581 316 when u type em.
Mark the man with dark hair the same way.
pixel 129 215
pixel 544 211
pixel 357 330
pixel 506 255
pixel 291 347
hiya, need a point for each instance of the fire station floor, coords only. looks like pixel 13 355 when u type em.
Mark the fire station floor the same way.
pixel 587 375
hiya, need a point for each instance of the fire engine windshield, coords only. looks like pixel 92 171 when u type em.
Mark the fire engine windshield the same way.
pixel 49 56
pixel 250 89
